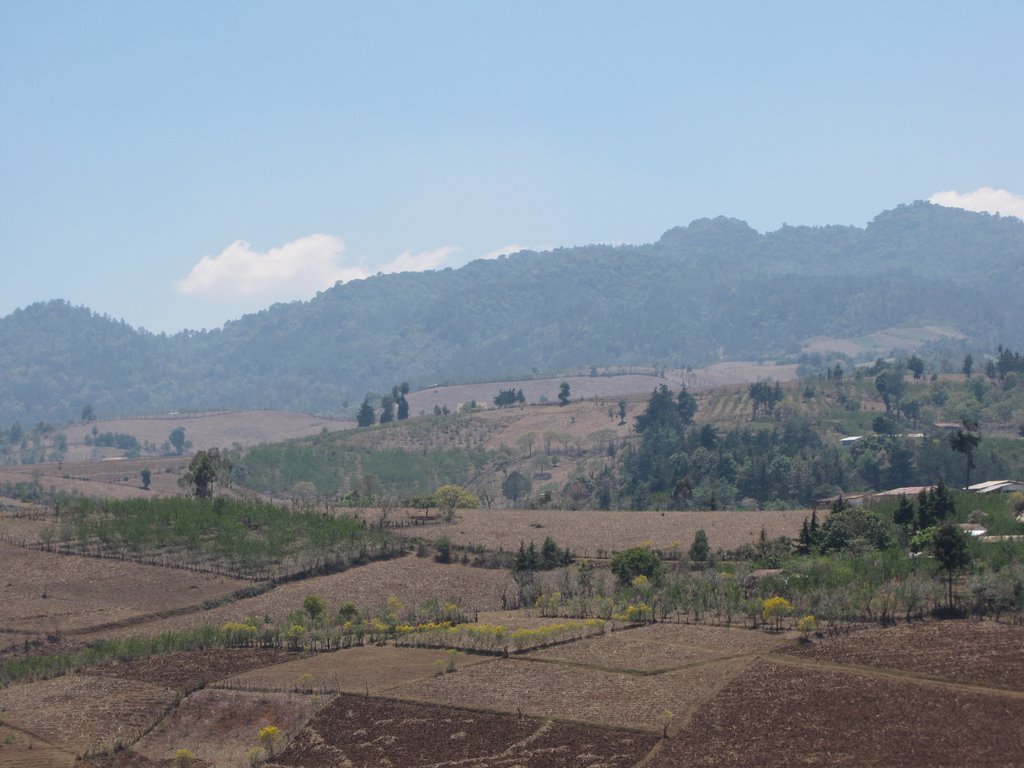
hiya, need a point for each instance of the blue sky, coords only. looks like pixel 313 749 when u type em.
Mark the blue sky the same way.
pixel 178 164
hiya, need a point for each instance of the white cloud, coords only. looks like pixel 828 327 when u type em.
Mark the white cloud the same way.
pixel 983 199
pixel 295 270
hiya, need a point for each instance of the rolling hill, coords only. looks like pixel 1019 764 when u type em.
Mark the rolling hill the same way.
pixel 715 290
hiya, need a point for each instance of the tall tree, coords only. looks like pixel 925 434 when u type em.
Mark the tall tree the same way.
pixel 965 440
pixel 366 417
pixel 563 393
pixel 177 439
pixel 950 548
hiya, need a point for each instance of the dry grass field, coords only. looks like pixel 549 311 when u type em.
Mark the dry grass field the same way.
pixel 49 593
pixel 588 533
pixel 372 668
pixel 218 429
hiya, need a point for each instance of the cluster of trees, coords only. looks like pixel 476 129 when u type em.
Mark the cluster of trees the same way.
pixel 392 406
pixel 509 397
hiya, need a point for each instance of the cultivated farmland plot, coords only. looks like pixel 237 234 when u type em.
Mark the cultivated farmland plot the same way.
pixel 375 669
pixel 589 533
pixel 222 727
pixel 48 593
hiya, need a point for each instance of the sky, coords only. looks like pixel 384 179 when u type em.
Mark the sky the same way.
pixel 179 164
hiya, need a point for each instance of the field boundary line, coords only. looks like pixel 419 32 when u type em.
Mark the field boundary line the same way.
pixel 865 670
pixel 637 672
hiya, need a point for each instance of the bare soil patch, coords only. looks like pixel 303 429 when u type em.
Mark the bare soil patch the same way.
pixel 359 732
pixel 775 715
pixel 413 580
pixel 45 592
pixel 23 750
pixel 576 693
pixel 661 647
pixel 981 653
pixel 353 670
pixel 84 712
pixel 188 670
pixel 589 533
pixel 221 727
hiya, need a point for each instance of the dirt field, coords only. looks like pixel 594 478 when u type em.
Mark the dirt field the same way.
pixel 221 727
pixel 188 670
pixel 775 715
pixel 360 732
pixel 411 579
pixel 577 693
pixel 983 653
pixel 376 669
pixel 22 750
pixel 587 533
pixel 661 647
pixel 84 712
pixel 43 592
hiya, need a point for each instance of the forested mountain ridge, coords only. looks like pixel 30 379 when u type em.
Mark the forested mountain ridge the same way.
pixel 715 289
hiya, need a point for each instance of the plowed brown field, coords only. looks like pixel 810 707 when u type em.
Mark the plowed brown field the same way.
pixel 360 732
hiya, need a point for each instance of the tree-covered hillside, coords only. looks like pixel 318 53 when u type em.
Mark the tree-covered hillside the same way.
pixel 713 290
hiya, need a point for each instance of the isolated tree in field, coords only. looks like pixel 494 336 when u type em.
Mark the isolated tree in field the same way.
pixel 205 469
pixel 916 366
pixel 387 409
pixel 638 561
pixel 516 486
pixel 774 610
pixel 313 605
pixel 950 548
pixel 965 440
pixel 177 439
pixel 563 393
pixel 622 411
pixel 968 366
pixel 146 476
pixel 452 497
pixel 366 417
pixel 88 414
pixel 700 550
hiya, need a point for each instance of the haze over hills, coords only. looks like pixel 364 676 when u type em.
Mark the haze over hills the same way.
pixel 714 290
